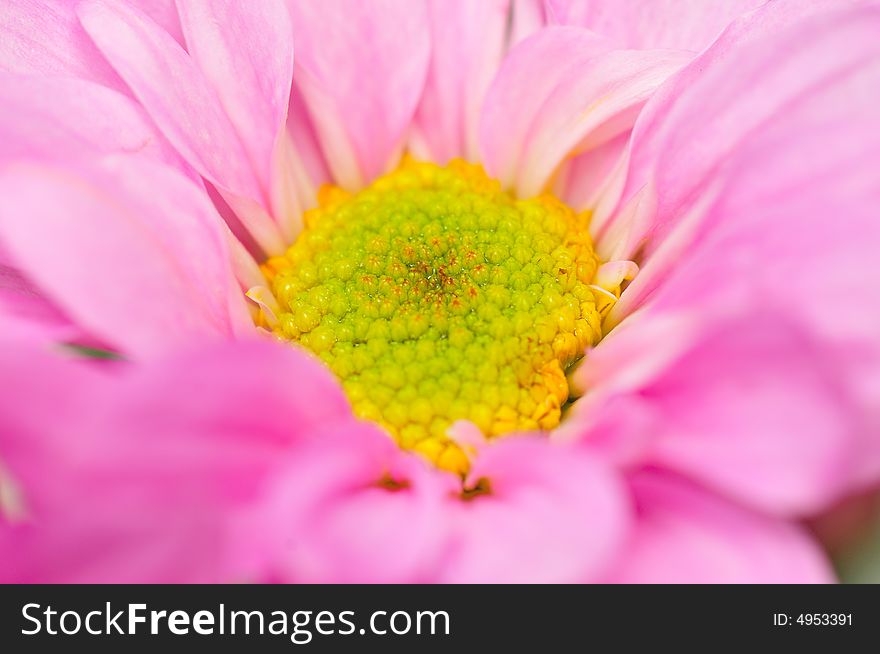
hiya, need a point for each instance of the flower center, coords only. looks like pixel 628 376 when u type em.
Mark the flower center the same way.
pixel 434 297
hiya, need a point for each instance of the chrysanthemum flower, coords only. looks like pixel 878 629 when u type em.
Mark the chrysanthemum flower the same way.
pixel 435 291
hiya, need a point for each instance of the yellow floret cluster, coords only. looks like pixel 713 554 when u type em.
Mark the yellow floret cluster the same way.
pixel 434 296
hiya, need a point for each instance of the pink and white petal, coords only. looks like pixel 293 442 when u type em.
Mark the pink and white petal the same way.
pixel 353 507
pixel 245 51
pixel 44 37
pixel 563 90
pixel 692 129
pixel 183 105
pixel 468 41
pixel 553 514
pixel 82 117
pixel 361 69
pixel 682 534
pixel 311 170
pixel 648 24
pixel 582 179
pixel 152 280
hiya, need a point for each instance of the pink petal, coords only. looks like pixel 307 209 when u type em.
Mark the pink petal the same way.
pixel 81 117
pixel 163 13
pixel 149 473
pixel 25 314
pixel 685 535
pixel 467 45
pixel 554 514
pixel 562 91
pixel 751 407
pixel 360 68
pixel 696 124
pixel 581 181
pixel 44 37
pixel 311 170
pixel 527 17
pixel 189 111
pixel 152 279
pixel 757 228
pixel 340 521
pixel 245 51
pixel 667 24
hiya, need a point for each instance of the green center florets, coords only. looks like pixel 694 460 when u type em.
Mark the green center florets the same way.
pixel 434 297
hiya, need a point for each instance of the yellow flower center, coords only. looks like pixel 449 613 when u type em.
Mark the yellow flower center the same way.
pixel 434 296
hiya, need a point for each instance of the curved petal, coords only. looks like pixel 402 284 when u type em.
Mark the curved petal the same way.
pixel 352 507
pixel 163 13
pixel 685 535
pixel 527 17
pixel 130 476
pixel 44 37
pixel 748 405
pixel 109 247
pixel 81 117
pixel 750 234
pixel 561 91
pixel 467 45
pixel 667 24
pixel 694 127
pixel 582 179
pixel 245 51
pixel 552 514
pixel 26 314
pixel 361 68
pixel 189 111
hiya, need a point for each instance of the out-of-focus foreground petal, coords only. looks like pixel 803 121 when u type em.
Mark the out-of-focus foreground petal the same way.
pixel 44 37
pixel 147 473
pixel 685 535
pixel 550 514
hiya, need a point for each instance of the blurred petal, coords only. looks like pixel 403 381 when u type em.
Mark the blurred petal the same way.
pixel 361 68
pixel 527 17
pixel 352 507
pixel 553 514
pixel 163 13
pixel 666 24
pixel 44 37
pixel 562 91
pixel 148 473
pixel 467 45
pixel 749 406
pixel 26 314
pixel 685 535
pixel 152 279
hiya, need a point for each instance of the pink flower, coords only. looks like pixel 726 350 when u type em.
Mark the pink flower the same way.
pixel 728 157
